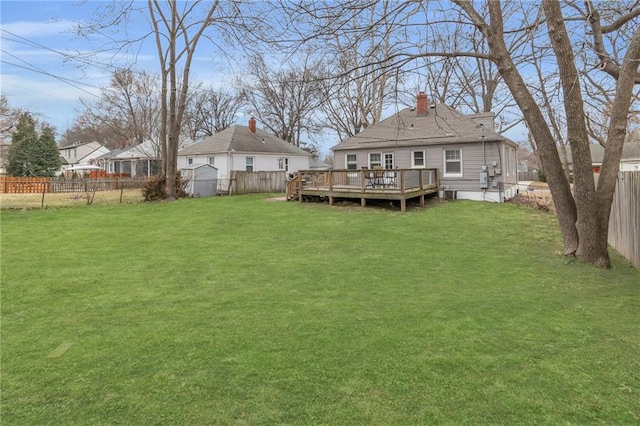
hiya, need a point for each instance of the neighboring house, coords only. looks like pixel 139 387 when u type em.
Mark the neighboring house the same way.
pixel 244 148
pixel 473 161
pixel 84 153
pixel 142 160
pixel 630 160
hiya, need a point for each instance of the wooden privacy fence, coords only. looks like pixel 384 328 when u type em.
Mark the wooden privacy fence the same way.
pixel 251 182
pixel 40 185
pixel 624 222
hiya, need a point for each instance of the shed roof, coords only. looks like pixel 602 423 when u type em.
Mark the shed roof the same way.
pixel 240 139
pixel 441 125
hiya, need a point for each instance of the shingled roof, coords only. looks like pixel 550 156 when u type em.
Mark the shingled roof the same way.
pixel 440 125
pixel 240 139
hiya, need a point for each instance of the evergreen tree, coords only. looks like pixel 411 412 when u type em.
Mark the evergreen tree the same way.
pixel 30 154
pixel 48 156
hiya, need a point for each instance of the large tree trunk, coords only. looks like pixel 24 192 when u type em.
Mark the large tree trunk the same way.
pixel 547 151
pixel 590 248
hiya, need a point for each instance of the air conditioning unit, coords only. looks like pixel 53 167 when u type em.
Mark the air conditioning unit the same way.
pixel 450 194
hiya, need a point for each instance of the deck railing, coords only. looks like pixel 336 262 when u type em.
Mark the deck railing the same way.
pixel 370 179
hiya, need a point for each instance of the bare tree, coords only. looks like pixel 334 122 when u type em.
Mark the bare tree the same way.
pixel 284 100
pixel 359 84
pixel 209 111
pixel 583 218
pixel 9 118
pixel 177 28
pixel 127 110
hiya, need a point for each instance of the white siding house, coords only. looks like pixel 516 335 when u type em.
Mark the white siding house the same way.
pixel 85 153
pixel 244 148
pixel 142 160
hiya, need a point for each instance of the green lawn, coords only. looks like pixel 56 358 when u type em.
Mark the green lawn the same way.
pixel 235 310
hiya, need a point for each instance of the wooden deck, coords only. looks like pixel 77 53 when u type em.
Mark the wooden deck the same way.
pixel 390 184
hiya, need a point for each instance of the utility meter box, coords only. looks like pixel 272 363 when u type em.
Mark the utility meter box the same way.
pixel 484 179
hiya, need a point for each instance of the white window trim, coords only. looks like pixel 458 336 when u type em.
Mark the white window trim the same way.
pixel 384 160
pixel 346 161
pixel 189 161
pixel 444 163
pixel 381 159
pixel 505 157
pixel 211 160
pixel 253 163
pixel 413 160
pixel 283 164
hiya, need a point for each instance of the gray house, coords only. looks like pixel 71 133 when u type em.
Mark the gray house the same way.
pixel 473 161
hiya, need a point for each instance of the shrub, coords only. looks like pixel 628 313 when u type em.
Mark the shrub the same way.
pixel 152 190
pixel 542 177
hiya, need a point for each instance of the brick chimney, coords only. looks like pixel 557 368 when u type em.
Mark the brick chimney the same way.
pixel 122 144
pixel 252 125
pixel 422 107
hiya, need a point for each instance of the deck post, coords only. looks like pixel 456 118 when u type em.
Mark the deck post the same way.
pixel 299 186
pixel 363 202
pixel 330 200
pixel 403 204
pixel 422 200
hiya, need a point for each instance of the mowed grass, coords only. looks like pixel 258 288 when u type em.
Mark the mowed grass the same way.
pixel 236 310
pixel 73 199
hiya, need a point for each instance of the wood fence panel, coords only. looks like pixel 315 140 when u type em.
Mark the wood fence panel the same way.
pixel 26 185
pixel 624 222
pixel 256 182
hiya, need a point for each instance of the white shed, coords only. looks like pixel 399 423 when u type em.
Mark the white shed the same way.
pixel 203 180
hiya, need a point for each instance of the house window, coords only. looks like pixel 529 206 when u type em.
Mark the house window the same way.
pixel 352 162
pixel 417 158
pixel 189 161
pixel 212 160
pixel 249 164
pixel 388 161
pixel 375 160
pixel 453 162
pixel 283 164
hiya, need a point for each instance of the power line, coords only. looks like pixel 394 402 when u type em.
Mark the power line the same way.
pixel 33 68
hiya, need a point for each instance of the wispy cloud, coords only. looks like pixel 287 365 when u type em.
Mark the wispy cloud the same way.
pixel 32 29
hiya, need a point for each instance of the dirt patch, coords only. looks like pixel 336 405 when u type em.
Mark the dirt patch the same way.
pixel 283 198
pixel 535 200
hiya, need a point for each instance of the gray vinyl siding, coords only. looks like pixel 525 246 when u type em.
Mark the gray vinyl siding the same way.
pixel 472 160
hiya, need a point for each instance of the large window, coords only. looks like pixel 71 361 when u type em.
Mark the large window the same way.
pixel 351 162
pixel 249 164
pixel 375 160
pixel 417 159
pixel 453 162
pixel 388 161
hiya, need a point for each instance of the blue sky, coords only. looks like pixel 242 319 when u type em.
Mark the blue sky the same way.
pixel 35 37
pixel 38 69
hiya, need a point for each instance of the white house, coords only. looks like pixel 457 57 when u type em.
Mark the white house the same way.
pixel 84 153
pixel 142 160
pixel 244 148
